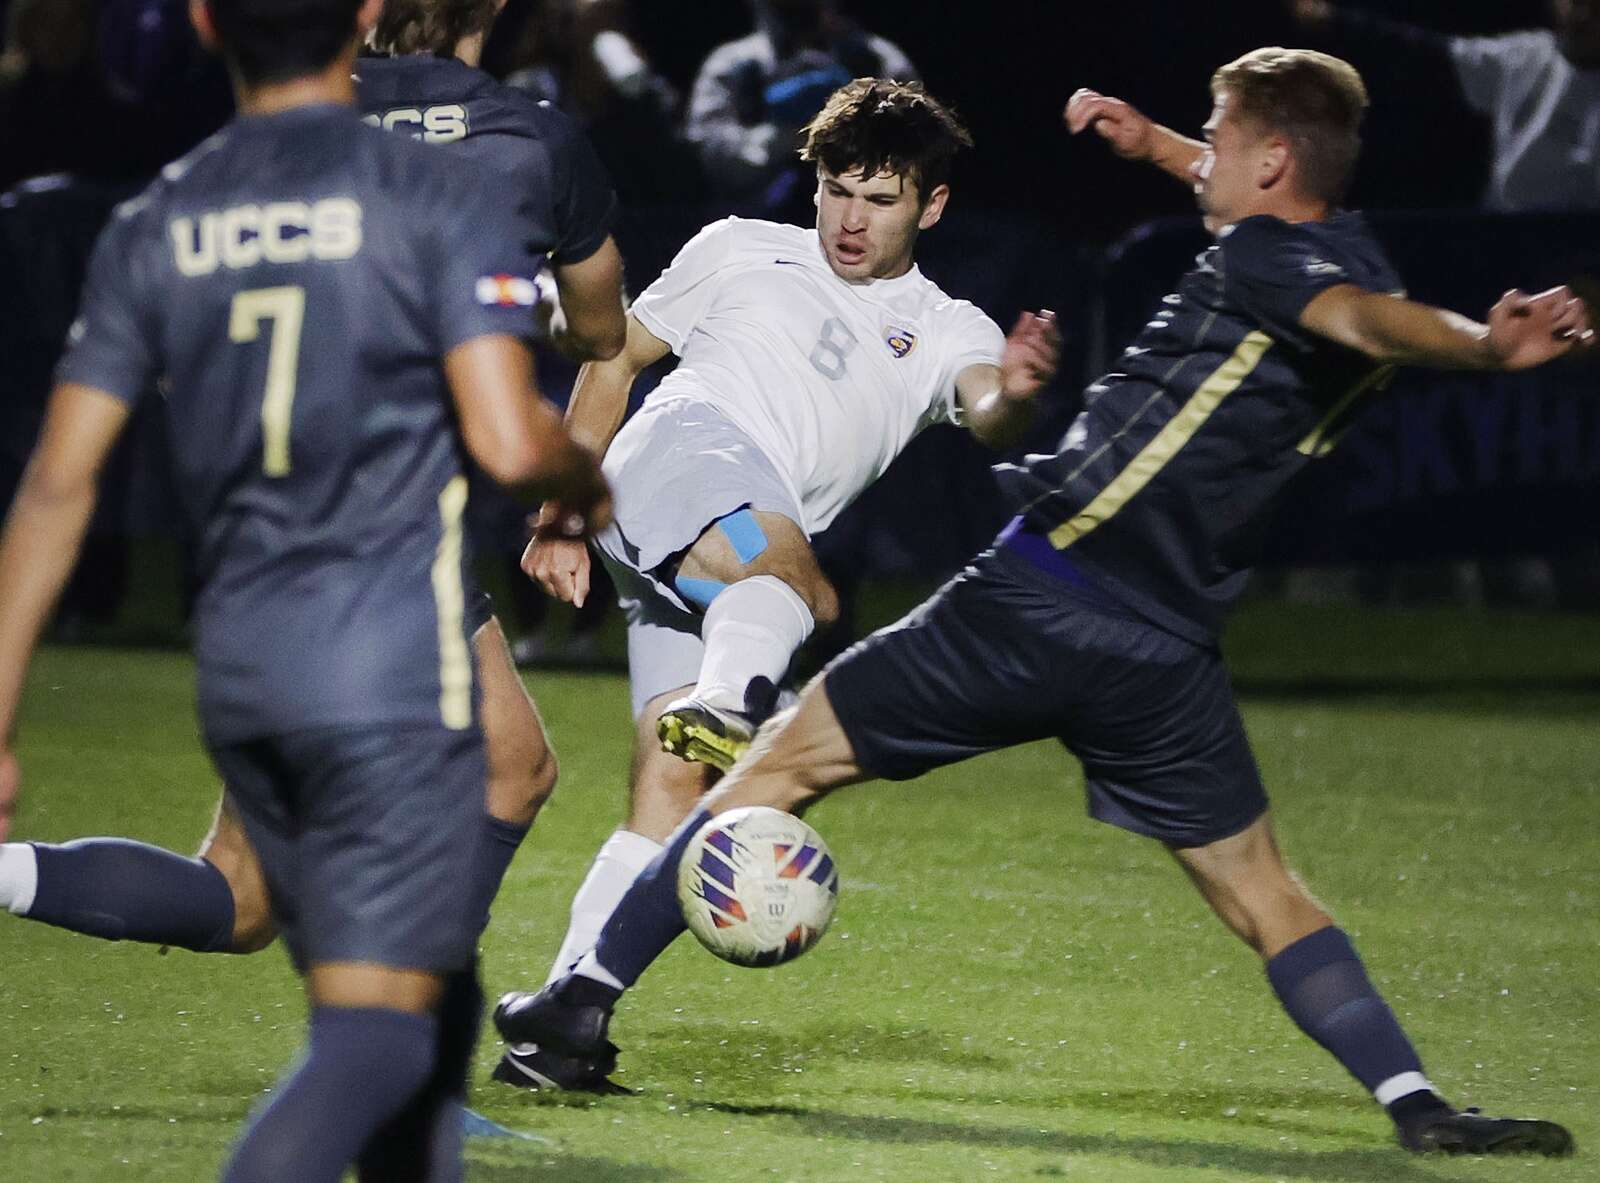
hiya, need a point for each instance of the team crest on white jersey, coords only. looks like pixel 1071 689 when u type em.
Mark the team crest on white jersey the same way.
pixel 900 341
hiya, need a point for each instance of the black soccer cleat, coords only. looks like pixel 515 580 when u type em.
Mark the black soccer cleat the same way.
pixel 570 1016
pixel 1469 1132
pixel 528 1066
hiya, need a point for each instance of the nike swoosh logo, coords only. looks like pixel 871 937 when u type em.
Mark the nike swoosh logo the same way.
pixel 789 262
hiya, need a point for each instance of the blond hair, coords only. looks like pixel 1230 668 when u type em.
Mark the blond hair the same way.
pixel 1314 100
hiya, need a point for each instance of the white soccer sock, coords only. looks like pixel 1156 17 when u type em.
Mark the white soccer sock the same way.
pixel 624 855
pixel 19 877
pixel 751 630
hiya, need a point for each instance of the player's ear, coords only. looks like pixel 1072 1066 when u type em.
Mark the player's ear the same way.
pixel 204 27
pixel 933 208
pixel 1275 162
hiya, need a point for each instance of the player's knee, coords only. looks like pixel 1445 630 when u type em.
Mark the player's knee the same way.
pixel 817 594
pixel 253 925
pixel 823 601
pixel 226 849
pixel 539 783
pixel 253 931
pixel 521 778
pixel 543 776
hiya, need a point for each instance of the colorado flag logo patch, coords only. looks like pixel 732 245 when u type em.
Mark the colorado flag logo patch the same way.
pixel 507 291
pixel 900 341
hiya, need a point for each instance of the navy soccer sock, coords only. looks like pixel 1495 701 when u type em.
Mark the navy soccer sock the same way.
pixel 647 920
pixel 128 891
pixel 423 1142
pixel 1322 984
pixel 361 1067
pixel 496 848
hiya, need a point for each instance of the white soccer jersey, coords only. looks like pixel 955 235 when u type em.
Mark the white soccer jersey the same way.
pixel 831 379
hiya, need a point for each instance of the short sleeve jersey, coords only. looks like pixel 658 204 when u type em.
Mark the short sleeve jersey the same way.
pixel 293 284
pixel 831 379
pixel 548 165
pixel 1164 486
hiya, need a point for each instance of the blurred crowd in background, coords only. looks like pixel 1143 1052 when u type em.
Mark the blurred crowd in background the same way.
pixel 694 105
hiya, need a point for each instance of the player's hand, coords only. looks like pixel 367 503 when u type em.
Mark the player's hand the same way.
pixel 1313 14
pixel 1129 131
pixel 10 782
pixel 558 561
pixel 1526 331
pixel 1031 355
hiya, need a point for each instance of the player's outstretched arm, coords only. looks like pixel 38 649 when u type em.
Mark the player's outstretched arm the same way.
pixel 589 322
pixel 1132 134
pixel 600 396
pixel 997 401
pixel 43 534
pixel 1522 330
pixel 554 559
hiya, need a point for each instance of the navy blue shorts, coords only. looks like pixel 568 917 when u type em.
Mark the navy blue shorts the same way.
pixel 1005 654
pixel 366 837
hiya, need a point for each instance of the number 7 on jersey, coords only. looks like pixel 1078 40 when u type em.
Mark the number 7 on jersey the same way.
pixel 285 307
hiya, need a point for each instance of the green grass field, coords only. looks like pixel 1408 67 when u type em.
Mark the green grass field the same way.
pixel 1009 991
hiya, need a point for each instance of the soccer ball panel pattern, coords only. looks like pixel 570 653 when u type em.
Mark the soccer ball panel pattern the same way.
pixel 757 886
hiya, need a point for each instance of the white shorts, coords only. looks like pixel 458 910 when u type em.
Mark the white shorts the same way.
pixel 677 466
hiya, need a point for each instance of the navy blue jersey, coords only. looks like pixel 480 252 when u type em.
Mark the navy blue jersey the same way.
pixel 548 164
pixel 293 283
pixel 1164 487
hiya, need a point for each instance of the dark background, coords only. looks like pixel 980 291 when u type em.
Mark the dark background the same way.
pixel 1008 68
pixel 1441 468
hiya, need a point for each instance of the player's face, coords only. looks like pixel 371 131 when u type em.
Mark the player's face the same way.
pixel 869 225
pixel 1226 174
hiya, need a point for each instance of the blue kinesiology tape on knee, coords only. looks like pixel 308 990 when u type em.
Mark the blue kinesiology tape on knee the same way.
pixel 746 534
pixel 699 592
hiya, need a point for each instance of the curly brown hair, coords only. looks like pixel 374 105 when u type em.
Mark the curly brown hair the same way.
pixel 430 26
pixel 876 125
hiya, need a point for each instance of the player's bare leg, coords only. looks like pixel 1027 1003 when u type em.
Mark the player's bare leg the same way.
pixel 522 766
pixel 227 848
pixel 1319 979
pixel 663 790
pixel 763 592
pixel 797 759
pixel 1244 879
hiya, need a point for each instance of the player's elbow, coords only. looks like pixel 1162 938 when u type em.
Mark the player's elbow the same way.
pixel 1001 427
pixel 602 342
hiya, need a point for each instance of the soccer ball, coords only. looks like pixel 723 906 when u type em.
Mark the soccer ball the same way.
pixel 757 886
